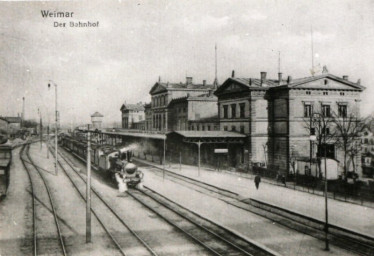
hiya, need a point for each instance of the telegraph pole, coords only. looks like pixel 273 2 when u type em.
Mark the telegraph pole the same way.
pixel 88 188
pixel 56 125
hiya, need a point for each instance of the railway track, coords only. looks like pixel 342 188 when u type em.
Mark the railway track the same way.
pixel 43 210
pixel 343 238
pixel 102 206
pixel 214 238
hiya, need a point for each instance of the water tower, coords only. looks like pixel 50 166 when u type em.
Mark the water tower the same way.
pixel 96 119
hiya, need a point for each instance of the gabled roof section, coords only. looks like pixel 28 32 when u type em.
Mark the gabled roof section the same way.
pixel 163 87
pixel 312 82
pixel 244 84
pixel 134 107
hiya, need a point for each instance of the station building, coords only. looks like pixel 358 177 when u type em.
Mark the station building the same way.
pixel 273 114
pixel 163 93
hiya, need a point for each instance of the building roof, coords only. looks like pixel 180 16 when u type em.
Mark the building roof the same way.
pixel 97 114
pixel 255 83
pixel 201 97
pixel 13 119
pixel 139 134
pixel 161 87
pixel 134 107
pixel 210 134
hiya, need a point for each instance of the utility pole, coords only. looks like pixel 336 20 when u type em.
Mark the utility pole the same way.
pixel 88 188
pixel 23 111
pixel 40 129
pixel 47 141
pixel 56 125
pixel 163 173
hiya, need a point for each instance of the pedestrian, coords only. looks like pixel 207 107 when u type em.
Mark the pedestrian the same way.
pixel 257 181
pixel 284 180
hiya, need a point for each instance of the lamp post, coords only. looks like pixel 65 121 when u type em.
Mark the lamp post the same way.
pixel 326 209
pixel 323 132
pixel 88 188
pixel 56 123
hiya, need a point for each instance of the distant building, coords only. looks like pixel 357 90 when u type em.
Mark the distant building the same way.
pixel 97 120
pixel 163 93
pixel 132 114
pixel 187 112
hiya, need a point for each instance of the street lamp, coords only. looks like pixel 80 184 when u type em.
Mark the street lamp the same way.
pixel 323 132
pixel 56 121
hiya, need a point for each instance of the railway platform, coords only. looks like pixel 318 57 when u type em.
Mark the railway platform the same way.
pixel 343 214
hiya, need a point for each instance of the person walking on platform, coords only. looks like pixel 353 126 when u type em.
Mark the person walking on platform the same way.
pixel 257 181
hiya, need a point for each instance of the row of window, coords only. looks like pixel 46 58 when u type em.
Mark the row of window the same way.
pixel 159 121
pixel 159 101
pixel 203 128
pixel 233 128
pixel 326 110
pixel 324 93
pixel 233 108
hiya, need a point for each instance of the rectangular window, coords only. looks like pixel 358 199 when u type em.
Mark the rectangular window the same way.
pixel 342 109
pixel 307 110
pixel 225 128
pixel 197 128
pixel 326 110
pixel 233 110
pixel 225 111
pixel 208 127
pixel 242 110
pixel 203 127
pixel 233 128
pixel 242 129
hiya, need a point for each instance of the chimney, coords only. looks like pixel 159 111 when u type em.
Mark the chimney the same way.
pixel 345 78
pixel 188 80
pixel 204 82
pixel 233 74
pixel 279 78
pixel 263 77
pixel 359 81
pixel 289 79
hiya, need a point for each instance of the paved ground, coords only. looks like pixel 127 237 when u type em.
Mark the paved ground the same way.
pixel 347 215
pixel 274 236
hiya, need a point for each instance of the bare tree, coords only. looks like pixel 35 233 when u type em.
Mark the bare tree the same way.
pixel 348 131
pixel 319 124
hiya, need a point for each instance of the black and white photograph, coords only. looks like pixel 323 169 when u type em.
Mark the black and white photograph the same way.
pixel 191 127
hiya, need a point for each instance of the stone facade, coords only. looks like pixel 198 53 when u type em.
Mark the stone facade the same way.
pixel 163 93
pixel 132 114
pixel 187 112
pixel 273 114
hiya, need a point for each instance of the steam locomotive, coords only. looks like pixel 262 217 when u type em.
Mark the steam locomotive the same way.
pixel 108 159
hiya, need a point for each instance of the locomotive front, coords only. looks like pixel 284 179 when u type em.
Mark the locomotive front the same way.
pixel 132 176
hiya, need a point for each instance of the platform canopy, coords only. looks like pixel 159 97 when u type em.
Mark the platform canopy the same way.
pixel 210 136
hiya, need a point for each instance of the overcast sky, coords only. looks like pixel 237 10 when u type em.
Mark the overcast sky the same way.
pixel 98 69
